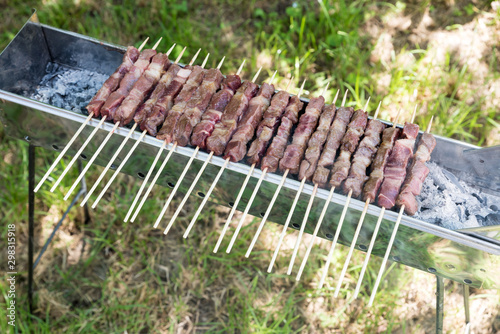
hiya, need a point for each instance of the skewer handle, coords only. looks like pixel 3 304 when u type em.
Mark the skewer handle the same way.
pixel 72 162
pixel 108 166
pixel 285 227
pixel 351 249
pixel 236 202
pixel 63 152
pixel 334 241
pixel 87 166
pixel 249 204
pixel 315 233
pixel 386 256
pixel 143 185
pixel 207 195
pixel 115 174
pixel 268 211
pixel 302 228
pixel 157 175
pixel 177 185
pixel 190 190
pixel 368 253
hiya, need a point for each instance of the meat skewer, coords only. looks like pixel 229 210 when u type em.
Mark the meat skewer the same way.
pixel 180 179
pixel 275 152
pixel 123 114
pixel 130 153
pixel 341 118
pixel 159 171
pixel 371 188
pixel 416 174
pixel 97 101
pixel 260 104
pixel 308 165
pixel 357 175
pixel 204 98
pixel 220 100
pixel 196 180
pixel 273 113
pixel 217 140
pixel 341 167
pixel 112 103
pixel 293 155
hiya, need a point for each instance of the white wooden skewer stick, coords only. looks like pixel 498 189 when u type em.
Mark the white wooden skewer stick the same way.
pixel 205 199
pixel 63 152
pixel 306 215
pixel 155 179
pixel 141 137
pixel 252 197
pixel 68 145
pixel 87 166
pixel 285 227
pixel 315 233
pixel 173 192
pixel 108 166
pixel 334 241
pixel 386 257
pixel 238 198
pixel 273 200
pixel 143 185
pixel 68 167
pixel 188 193
pixel 233 209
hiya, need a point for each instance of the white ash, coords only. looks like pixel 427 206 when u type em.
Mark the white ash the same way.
pixel 451 203
pixel 68 88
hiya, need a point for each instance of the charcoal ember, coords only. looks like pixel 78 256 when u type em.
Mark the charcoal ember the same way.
pixel 68 88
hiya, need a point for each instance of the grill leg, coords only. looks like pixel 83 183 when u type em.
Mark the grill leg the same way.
pixel 31 222
pixel 467 308
pixel 439 304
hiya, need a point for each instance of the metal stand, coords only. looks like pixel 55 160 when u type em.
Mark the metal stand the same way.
pixel 31 229
pixel 467 308
pixel 439 304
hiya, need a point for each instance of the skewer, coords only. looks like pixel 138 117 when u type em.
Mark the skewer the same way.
pixel 157 174
pixel 243 186
pixel 163 166
pixel 71 141
pixel 393 235
pixel 356 235
pixel 273 200
pixel 113 158
pixel 195 181
pixel 181 178
pixel 309 206
pixel 320 220
pixel 374 236
pixel 290 214
pixel 252 197
pixel 130 153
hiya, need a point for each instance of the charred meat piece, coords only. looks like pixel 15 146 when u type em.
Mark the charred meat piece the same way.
pixel 111 84
pixel 307 123
pixel 213 114
pixel 237 146
pixel 277 148
pixel 234 111
pixel 115 99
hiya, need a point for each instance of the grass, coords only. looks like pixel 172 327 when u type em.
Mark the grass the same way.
pixel 105 276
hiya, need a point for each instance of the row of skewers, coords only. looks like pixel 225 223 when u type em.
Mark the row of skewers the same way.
pixel 224 116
